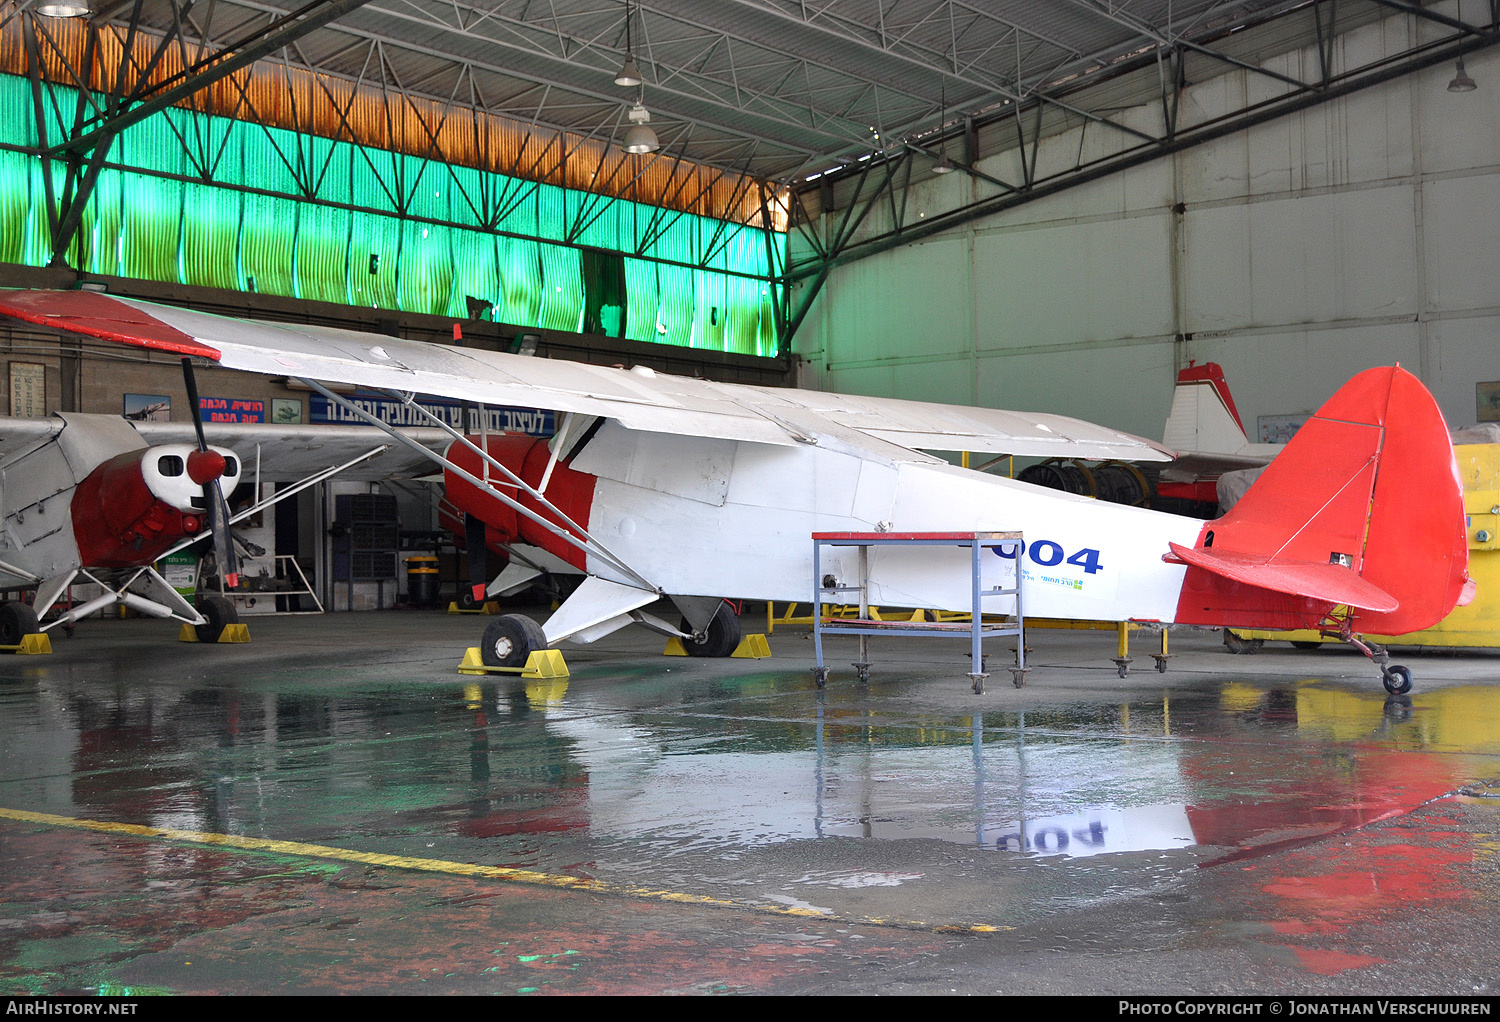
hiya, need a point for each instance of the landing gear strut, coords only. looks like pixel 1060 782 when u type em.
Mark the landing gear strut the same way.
pixel 1395 678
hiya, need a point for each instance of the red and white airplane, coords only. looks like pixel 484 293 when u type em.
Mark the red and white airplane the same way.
pixel 664 486
pixel 99 499
pixel 1205 429
pixel 85 495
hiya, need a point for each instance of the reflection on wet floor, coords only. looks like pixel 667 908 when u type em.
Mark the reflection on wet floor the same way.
pixel 537 776
pixel 1288 801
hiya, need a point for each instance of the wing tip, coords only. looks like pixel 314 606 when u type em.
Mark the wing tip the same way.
pixel 100 315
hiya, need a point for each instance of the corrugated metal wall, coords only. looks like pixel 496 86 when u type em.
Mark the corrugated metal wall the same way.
pixel 1357 233
pixel 271 211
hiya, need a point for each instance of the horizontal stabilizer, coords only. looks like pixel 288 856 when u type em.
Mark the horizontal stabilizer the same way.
pixel 1333 583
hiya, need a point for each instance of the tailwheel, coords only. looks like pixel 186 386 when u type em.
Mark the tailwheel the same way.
pixel 719 639
pixel 1397 680
pixel 509 641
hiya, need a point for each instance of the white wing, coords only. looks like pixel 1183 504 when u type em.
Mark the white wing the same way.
pixel 638 398
pixel 287 453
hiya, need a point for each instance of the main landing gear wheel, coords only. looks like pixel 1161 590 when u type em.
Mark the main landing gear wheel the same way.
pixel 509 641
pixel 721 638
pixel 219 612
pixel 16 619
pixel 1397 680
pixel 1235 644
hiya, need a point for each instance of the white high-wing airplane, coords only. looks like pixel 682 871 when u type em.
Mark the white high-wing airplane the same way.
pixel 97 498
pixel 664 486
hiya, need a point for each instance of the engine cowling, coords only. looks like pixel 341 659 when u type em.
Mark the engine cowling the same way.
pixel 131 508
pixel 571 491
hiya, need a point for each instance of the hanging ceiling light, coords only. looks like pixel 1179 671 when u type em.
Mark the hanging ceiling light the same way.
pixel 1461 80
pixel 630 75
pixel 639 138
pixel 63 8
pixel 943 164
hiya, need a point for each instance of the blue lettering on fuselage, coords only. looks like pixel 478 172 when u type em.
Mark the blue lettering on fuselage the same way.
pixel 1046 553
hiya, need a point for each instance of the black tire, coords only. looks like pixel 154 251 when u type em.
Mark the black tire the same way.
pixel 1245 647
pixel 16 619
pixel 1397 680
pixel 721 638
pixel 219 612
pixel 1306 645
pixel 509 640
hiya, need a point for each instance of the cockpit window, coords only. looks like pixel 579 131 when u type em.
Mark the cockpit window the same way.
pixel 170 465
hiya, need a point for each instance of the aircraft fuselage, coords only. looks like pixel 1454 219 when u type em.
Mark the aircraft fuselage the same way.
pixel 722 517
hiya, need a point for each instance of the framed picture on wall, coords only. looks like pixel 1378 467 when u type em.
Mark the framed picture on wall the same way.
pixel 1487 401
pixel 148 407
pixel 286 410
pixel 28 390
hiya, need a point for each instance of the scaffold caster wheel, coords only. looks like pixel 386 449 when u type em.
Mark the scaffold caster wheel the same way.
pixel 820 676
pixel 978 680
pixel 1122 664
pixel 864 672
pixel 1397 680
pixel 1018 675
pixel 1161 662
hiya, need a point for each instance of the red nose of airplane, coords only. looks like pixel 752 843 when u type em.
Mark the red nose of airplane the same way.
pixel 205 466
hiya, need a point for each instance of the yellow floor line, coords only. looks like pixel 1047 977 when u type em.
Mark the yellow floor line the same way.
pixel 525 876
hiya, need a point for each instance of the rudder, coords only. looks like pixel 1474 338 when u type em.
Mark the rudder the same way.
pixel 1332 521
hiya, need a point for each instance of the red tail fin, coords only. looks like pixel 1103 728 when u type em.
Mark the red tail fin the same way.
pixel 1364 508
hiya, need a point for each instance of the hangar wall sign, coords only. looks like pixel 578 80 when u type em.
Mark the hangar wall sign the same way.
pixel 232 409
pixel 498 418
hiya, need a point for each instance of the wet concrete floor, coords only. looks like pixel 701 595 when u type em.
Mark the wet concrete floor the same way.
pixel 333 809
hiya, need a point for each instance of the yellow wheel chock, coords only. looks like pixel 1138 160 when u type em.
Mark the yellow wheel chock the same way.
pixel 751 647
pixel 231 633
pixel 490 607
pixel 35 642
pixel 542 663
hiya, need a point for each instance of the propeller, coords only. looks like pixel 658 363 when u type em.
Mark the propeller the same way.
pixel 205 467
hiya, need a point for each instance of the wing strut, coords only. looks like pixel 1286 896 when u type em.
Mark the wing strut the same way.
pixel 282 494
pixel 578 537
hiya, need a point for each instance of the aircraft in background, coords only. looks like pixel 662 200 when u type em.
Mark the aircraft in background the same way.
pixel 1205 429
pixel 98 498
pixel 660 486
pixel 85 495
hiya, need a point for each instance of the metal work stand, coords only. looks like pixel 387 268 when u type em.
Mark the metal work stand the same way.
pixel 864 626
